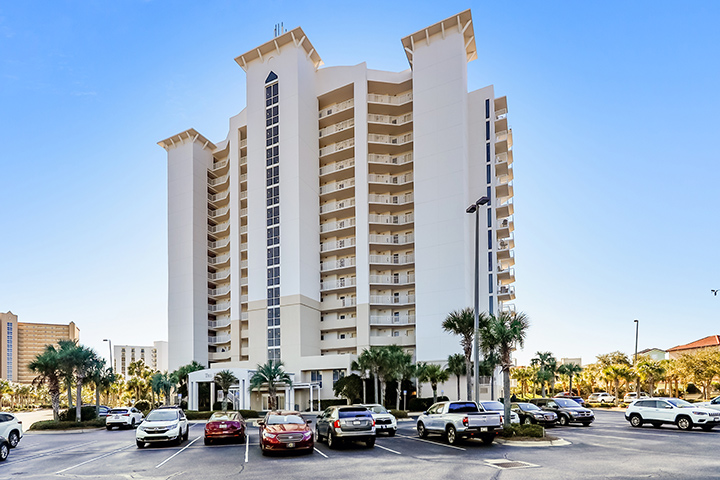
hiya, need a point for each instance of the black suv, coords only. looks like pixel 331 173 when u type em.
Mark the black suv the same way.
pixel 568 411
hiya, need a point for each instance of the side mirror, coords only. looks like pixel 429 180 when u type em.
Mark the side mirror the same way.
pixel 425 412
pixel 309 422
pixel 261 422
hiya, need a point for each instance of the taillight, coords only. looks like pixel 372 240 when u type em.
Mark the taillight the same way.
pixel 466 422
pixel 373 422
pixel 336 424
pixel 125 414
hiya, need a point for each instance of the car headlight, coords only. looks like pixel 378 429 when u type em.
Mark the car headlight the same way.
pixel 699 413
pixel 572 414
pixel 269 435
pixel 307 435
pixel 539 415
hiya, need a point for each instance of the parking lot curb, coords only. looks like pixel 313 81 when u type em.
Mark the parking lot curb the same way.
pixel 525 443
pixel 58 432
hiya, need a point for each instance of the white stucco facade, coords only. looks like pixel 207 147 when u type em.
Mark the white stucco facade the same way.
pixel 371 173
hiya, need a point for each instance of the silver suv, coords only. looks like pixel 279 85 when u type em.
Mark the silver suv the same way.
pixel 340 423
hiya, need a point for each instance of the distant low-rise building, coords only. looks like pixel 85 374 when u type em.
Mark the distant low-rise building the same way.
pixel 713 341
pixel 654 353
pixel 576 361
pixel 21 342
pixel 155 356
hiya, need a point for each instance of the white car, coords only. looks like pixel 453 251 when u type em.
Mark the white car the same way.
pixel 658 411
pixel 384 420
pixel 123 417
pixel 632 396
pixel 492 406
pixel 601 397
pixel 714 404
pixel 165 424
pixel 10 428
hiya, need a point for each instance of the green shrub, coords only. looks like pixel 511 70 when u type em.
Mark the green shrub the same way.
pixel 536 431
pixel 67 425
pixel 143 405
pixel 86 413
pixel 331 402
pixel 399 413
pixel 249 414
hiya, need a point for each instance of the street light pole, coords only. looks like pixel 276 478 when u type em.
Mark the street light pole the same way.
pixel 637 377
pixel 475 208
pixel 110 346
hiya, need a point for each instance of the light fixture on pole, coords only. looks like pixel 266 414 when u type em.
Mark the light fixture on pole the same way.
pixel 637 377
pixel 475 208
pixel 110 346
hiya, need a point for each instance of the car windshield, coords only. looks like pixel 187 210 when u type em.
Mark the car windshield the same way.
pixel 566 402
pixel 220 416
pixel 284 420
pixel 496 406
pixel 679 403
pixel 377 409
pixel 162 416
pixel 528 406
pixel 117 411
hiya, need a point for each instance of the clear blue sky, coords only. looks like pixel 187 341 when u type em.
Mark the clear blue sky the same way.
pixel 614 108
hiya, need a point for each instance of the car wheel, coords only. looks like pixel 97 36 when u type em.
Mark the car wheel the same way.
pixel 707 428
pixel 421 431
pixel 132 424
pixel 318 437
pixel 109 427
pixel 187 434
pixel 528 421
pixel 370 442
pixel 13 439
pixel 636 420
pixel 140 444
pixel 684 423
pixel 332 441
pixel 391 433
pixel 243 438
pixel 451 435
pixel 208 441
pixel 4 451
pixel 488 439
pixel 563 420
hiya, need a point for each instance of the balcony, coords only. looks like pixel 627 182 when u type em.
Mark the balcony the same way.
pixel 332 322
pixel 218 197
pixel 340 263
pixel 337 343
pixel 506 293
pixel 345 243
pixel 505 276
pixel 392 279
pixel 339 284
pixel 508 308
pixel 390 139
pixel 392 319
pixel 244 316
pixel 215 214
pixel 243 143
pixel 403 199
pixel 243 160
pixel 243 298
pixel 336 128
pixel 390 119
pixel 400 340
pixel 392 239
pixel 503 192
pixel 392 299
pixel 338 303
pixel 216 292
pixel 218 229
pixel 243 246
pixel 219 307
pixel 219 245
pixel 223 323
pixel 501 109
pixel 243 264
pixel 505 210
pixel 506 258
pixel 406 219
pixel 336 108
pixel 219 356
pixel 218 164
pixel 337 147
pixel 392 259
pixel 219 339
pixel 337 167
pixel 403 179
pixel 243 212
pixel 401 99
pixel 217 276
pixel 219 183
pixel 504 228
pixel 386 159
pixel 337 186
pixel 336 206
pixel 337 226
pixel 219 260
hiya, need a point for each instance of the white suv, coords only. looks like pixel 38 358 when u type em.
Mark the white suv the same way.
pixel 632 396
pixel 165 424
pixel 10 428
pixel 685 415
pixel 123 417
pixel 384 420
pixel 601 397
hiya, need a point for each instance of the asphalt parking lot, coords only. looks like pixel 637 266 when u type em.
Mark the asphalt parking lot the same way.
pixel 610 448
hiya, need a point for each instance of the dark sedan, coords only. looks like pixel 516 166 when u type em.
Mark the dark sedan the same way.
pixel 225 426
pixel 568 411
pixel 284 431
pixel 530 414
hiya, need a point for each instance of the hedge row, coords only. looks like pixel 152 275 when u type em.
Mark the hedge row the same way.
pixel 536 431
pixel 67 425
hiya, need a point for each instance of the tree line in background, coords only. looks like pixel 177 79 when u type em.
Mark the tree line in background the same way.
pixel 614 372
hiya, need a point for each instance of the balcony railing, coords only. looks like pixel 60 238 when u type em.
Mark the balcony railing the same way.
pixel 243 298
pixel 390 99
pixel 338 205
pixel 225 322
pixel 219 164
pixel 219 307
pixel 220 227
pixel 336 108
pixel 243 160
pixel 392 259
pixel 244 316
pixel 217 213
pixel 243 264
pixel 217 181
pixel 219 339
pixel 392 239
pixel 390 159
pixel 337 264
pixel 391 199
pixel 390 179
pixel 506 292
pixel 218 196
pixel 337 166
pixel 338 127
pixel 219 291
pixel 390 119
pixel 339 283
pixel 392 319
pixel 390 139
pixel 219 244
pixel 336 186
pixel 243 177
pixel 392 279
pixel 219 259
pixel 336 147
pixel 222 274
pixel 243 143
pixel 392 299
pixel 337 244
pixel 337 225
pixel 392 219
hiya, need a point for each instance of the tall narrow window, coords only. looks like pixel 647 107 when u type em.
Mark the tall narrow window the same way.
pixel 487 108
pixel 490 283
pixel 272 186
pixel 487 130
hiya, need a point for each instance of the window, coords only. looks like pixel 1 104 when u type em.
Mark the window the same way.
pixel 489 218
pixel 487 108
pixel 490 263
pixel 487 130
pixel 490 305
pixel 487 152
pixel 337 375
pixel 487 175
pixel 490 283
pixel 316 377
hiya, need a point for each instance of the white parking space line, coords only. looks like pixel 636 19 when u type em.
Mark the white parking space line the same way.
pixel 93 459
pixel 321 453
pixel 32 456
pixel 247 447
pixel 389 450
pixel 433 443
pixel 177 453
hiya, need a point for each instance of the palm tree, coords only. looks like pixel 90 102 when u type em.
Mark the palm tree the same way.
pixel 162 383
pixel 418 374
pixel 67 367
pixel 571 370
pixel 457 367
pixel 226 379
pixel 434 374
pixel 398 367
pixel 546 363
pixel 462 323
pixel 500 335
pixel 615 373
pixel 361 365
pixel 100 376
pixel 83 360
pixel 650 371
pixel 180 376
pixel 270 375
pixel 372 360
pixel 523 375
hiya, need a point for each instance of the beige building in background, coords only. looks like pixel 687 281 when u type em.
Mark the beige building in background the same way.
pixel 21 342
pixel 154 356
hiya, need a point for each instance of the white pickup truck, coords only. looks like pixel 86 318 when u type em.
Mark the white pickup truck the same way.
pixel 458 420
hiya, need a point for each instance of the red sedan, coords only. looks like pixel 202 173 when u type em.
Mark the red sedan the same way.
pixel 283 430
pixel 225 425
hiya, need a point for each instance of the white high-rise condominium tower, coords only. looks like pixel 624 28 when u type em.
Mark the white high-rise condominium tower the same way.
pixel 332 217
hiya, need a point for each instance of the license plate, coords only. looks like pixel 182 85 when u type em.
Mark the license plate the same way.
pixel 483 429
pixel 116 417
pixel 290 445
pixel 223 426
pixel 356 422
